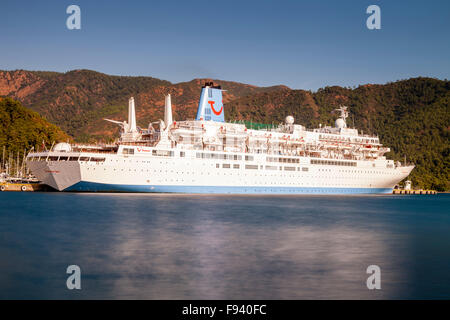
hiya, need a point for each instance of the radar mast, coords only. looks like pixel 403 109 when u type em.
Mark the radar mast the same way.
pixel 344 113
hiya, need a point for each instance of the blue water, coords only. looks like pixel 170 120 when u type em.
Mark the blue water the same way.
pixel 157 246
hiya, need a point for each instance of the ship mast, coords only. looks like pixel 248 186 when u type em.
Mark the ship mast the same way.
pixel 344 113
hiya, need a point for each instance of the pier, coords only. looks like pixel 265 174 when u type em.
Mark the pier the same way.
pixel 403 191
pixel 407 189
pixel 24 187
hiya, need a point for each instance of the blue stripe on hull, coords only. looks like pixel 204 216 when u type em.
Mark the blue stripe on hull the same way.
pixel 103 187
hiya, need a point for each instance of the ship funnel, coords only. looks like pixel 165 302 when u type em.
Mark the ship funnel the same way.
pixel 210 107
pixel 168 112
pixel 131 116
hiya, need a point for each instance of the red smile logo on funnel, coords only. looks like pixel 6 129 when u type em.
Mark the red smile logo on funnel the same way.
pixel 217 113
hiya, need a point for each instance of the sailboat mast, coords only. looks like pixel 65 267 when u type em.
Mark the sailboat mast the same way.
pixel 3 159
pixel 17 164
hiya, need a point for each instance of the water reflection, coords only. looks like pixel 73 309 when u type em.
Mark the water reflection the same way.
pixel 204 247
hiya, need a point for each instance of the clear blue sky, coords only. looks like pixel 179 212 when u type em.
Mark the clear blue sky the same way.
pixel 302 44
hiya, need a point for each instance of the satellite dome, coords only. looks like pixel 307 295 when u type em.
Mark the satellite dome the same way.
pixel 289 120
pixel 340 123
pixel 62 147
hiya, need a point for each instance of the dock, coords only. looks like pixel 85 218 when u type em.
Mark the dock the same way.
pixel 403 191
pixel 23 187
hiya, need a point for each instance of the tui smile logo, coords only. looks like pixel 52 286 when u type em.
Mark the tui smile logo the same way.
pixel 217 113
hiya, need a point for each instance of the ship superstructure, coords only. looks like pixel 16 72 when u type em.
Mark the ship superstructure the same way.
pixel 209 155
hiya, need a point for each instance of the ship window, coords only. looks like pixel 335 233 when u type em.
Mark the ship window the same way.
pixel 73 159
pixel 305 169
pixel 251 166
pixel 217 165
pixel 63 158
pixel 271 168
pixel 235 166
pixel 226 165
pixel 53 158
pixel 289 168
pixel 182 154
pixel 97 159
pixel 249 158
pixel 128 151
pixel 84 158
pixel 162 153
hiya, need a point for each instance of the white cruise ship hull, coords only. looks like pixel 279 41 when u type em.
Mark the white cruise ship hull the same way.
pixel 84 186
pixel 143 173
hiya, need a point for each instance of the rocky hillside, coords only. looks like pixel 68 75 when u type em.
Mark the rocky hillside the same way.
pixel 78 100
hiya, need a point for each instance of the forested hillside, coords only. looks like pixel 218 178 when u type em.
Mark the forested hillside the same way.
pixel 22 129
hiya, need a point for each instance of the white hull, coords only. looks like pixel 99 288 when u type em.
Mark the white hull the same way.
pixel 146 173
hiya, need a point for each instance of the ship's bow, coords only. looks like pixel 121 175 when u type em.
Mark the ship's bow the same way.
pixel 56 174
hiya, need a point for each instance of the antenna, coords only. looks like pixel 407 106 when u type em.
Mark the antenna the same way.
pixel 343 111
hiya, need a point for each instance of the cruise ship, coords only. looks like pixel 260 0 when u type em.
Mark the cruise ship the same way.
pixel 208 155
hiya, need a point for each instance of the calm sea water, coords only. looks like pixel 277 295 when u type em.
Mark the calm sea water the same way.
pixel 149 246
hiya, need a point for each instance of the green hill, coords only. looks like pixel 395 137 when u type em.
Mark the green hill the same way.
pixel 22 129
